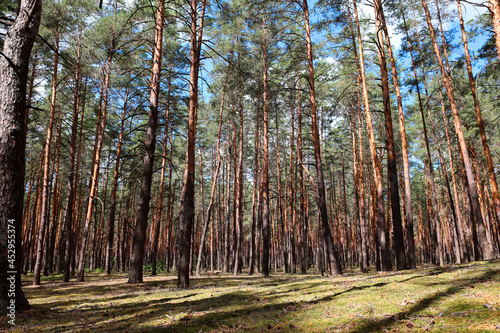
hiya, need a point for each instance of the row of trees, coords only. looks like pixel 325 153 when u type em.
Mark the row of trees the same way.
pixel 130 113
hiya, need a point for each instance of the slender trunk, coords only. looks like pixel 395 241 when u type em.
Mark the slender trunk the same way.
pixel 112 209
pixel 265 161
pixel 406 164
pixel 51 232
pixel 239 191
pixel 279 199
pixel 304 219
pixel 292 196
pixel 320 183
pixel 435 229
pixel 94 180
pixel 206 223
pixel 141 222
pixel 392 173
pixel 187 210
pixel 46 166
pixel 378 200
pixel 358 158
pixel 227 214
pixel 68 218
pixel 459 224
pixel 255 198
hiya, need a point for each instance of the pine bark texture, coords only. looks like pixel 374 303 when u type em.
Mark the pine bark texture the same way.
pixel 14 64
pixel 187 209
pixel 141 222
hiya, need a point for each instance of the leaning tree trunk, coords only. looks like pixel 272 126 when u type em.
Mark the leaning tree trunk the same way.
pixel 14 63
pixel 335 267
pixel 141 222
pixel 486 247
pixel 484 140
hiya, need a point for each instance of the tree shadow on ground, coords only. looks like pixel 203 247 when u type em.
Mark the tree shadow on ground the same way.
pixel 112 307
pixel 383 324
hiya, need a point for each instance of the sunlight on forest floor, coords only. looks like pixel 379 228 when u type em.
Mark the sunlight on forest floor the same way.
pixel 461 298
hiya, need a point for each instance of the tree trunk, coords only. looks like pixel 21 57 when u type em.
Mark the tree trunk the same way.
pixel 255 198
pixel 265 161
pixel 215 176
pixel 304 219
pixel 14 63
pixel 358 158
pixel 320 183
pixel 459 224
pixel 378 200
pixel 406 164
pixel 70 204
pixel 392 173
pixel 187 211
pixel 112 209
pixel 141 222
pixel 46 166
pixel 154 252
pixel 240 201
pixel 292 197
pixel 94 180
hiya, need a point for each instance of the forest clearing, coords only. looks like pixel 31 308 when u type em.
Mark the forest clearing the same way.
pixel 350 145
pixel 459 298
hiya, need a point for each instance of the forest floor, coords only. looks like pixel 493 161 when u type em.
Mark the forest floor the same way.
pixel 458 298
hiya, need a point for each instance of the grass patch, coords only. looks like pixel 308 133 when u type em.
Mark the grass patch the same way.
pixel 459 298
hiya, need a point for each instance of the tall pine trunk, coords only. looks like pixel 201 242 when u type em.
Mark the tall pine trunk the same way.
pixel 46 167
pixel 392 172
pixel 215 176
pixel 187 209
pixel 94 179
pixel 14 63
pixel 141 222
pixel 378 199
pixel 68 218
pixel 112 209
pixel 265 161
pixel 326 234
